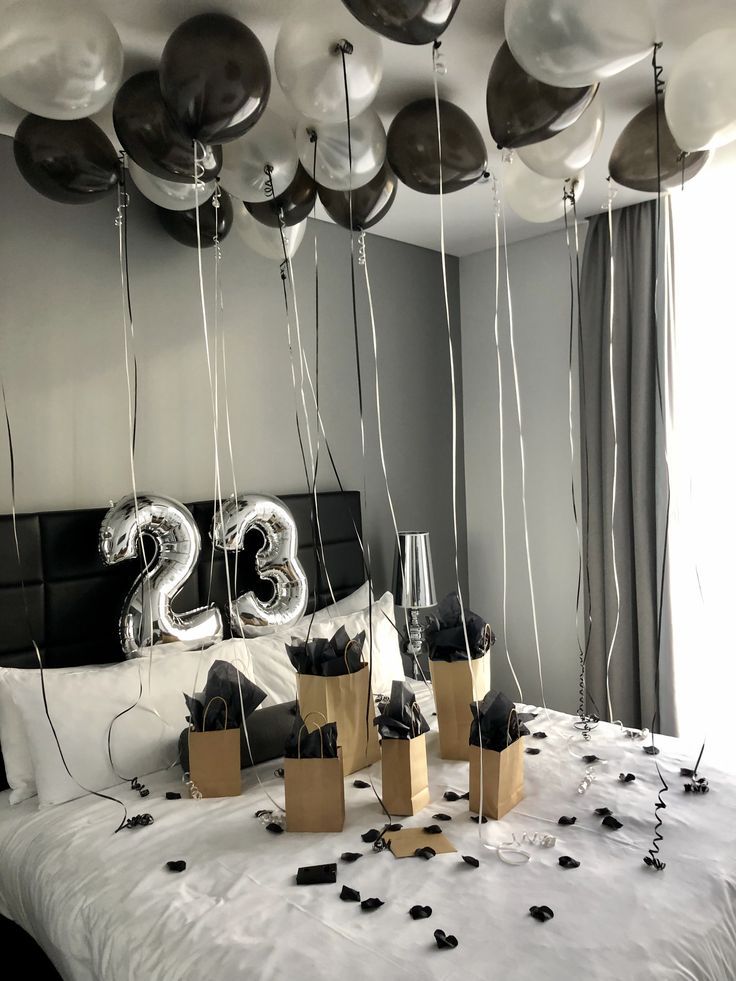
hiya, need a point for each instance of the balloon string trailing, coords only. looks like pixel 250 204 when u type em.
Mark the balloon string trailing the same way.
pixel 501 429
pixel 652 859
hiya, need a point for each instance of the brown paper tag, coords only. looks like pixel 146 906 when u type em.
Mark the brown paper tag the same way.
pixel 404 843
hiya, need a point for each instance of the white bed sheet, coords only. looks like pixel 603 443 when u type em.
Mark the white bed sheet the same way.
pixel 104 907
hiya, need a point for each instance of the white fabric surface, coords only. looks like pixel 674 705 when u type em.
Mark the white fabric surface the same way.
pixel 104 906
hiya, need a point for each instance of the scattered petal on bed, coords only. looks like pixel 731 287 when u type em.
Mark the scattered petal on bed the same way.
pixel 393 827
pixel 349 895
pixel 371 835
pixel 609 821
pixel 274 828
pixel 592 758
pixel 603 811
pixel 539 735
pixel 361 784
pixel 420 912
pixel 370 904
pixel 566 820
pixel 351 856
pixel 568 863
pixel 541 913
pixel 476 818
pixel 441 817
pixel 532 751
pixel 172 795
pixel 469 860
pixel 445 941
pixel 626 777
pixel 432 829
pixel 425 852
pixel 177 866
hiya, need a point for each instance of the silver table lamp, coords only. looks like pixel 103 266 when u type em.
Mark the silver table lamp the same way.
pixel 413 584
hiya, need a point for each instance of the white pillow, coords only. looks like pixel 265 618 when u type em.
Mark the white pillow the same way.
pixel 353 603
pixel 82 704
pixel 273 672
pixel 14 745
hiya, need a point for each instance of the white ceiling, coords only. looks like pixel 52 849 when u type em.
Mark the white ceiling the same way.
pixel 468 48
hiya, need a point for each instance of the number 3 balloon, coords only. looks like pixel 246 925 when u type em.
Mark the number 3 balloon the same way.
pixel 276 561
pixel 147 617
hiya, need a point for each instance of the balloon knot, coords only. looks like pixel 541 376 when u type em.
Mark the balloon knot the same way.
pixel 344 46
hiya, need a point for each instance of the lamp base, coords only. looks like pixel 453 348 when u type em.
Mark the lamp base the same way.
pixel 416 647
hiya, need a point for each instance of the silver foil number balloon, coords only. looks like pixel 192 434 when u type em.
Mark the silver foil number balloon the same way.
pixel 276 562
pixel 147 617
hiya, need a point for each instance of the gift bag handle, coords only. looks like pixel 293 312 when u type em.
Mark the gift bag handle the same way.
pixel 416 715
pixel 508 727
pixel 487 636
pixel 215 698
pixel 321 737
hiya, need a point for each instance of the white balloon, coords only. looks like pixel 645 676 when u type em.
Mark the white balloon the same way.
pixel 61 59
pixel 172 195
pixel 309 66
pixel 572 43
pixel 264 239
pixel 270 142
pixel 567 152
pixel 700 97
pixel 368 143
pixel 535 198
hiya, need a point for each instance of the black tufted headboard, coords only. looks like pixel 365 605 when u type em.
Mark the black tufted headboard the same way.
pixel 75 600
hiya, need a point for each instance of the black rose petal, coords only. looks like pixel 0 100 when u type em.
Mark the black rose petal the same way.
pixel 172 795
pixel 370 904
pixel 432 829
pixel 651 750
pixel 371 835
pixel 539 734
pixel 393 827
pixel 177 866
pixel 566 820
pixel 471 861
pixel 465 796
pixel 451 795
pixel 626 777
pixel 541 913
pixel 609 821
pixel 445 941
pixel 684 772
pixel 568 863
pixel 349 895
pixel 279 772
pixel 360 784
pixel 532 751
pixel 425 852
pixel 603 811
pixel 274 828
pixel 592 758
pixel 476 818
pixel 441 817
pixel 420 912
pixel 351 856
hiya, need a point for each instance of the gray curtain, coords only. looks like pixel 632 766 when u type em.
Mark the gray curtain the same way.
pixel 633 678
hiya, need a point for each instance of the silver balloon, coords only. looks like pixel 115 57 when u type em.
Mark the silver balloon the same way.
pixel 367 142
pixel 264 239
pixel 244 161
pixel 567 152
pixel 308 62
pixel 535 198
pixel 276 562
pixel 171 195
pixel 571 43
pixel 147 617
pixel 61 59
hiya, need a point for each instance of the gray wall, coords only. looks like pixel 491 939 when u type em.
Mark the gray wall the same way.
pixel 62 363
pixel 540 293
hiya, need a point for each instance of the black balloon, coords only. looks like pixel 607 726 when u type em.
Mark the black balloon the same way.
pixel 182 225
pixel 633 162
pixel 149 134
pixel 295 203
pixel 412 149
pixel 408 21
pixel 67 160
pixel 523 110
pixel 370 202
pixel 215 77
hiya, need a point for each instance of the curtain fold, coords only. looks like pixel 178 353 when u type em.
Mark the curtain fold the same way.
pixel 632 678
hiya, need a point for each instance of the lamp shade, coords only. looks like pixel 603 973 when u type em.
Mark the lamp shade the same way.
pixel 413 582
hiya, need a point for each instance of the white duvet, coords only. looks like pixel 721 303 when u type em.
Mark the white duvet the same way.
pixel 105 908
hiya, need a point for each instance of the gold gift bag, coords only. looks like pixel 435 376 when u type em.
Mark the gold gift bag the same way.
pixel 503 779
pixel 214 758
pixel 344 698
pixel 405 783
pixel 315 791
pixel 455 685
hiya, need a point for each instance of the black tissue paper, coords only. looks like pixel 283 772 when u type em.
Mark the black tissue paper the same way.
pixel 446 637
pixel 401 717
pixel 339 655
pixel 321 743
pixel 494 722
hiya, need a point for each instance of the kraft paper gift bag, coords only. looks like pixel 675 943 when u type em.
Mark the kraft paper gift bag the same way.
pixel 405 783
pixel 344 699
pixel 496 757
pixel 455 685
pixel 313 779
pixel 214 759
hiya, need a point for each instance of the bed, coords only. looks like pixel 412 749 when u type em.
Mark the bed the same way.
pixel 104 907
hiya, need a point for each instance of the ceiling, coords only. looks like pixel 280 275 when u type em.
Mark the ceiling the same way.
pixel 468 48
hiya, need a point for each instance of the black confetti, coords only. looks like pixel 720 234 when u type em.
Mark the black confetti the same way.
pixel 453 795
pixel 274 828
pixel 350 856
pixel 539 735
pixel 445 941
pixel 425 852
pixel 441 817
pixel 172 795
pixel 609 821
pixel 532 751
pixel 371 835
pixel 626 777
pixel 541 913
pixel 370 904
pixel 420 912
pixel 360 784
pixel 432 829
pixel 568 863
pixel 603 811
pixel 476 818
pixel 566 820
pixel 592 758
pixel 349 895
pixel 177 866
pixel 469 860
